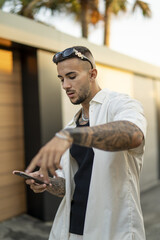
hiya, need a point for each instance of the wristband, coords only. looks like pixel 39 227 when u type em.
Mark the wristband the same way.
pixel 64 137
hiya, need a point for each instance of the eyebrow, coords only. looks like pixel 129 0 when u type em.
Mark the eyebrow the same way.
pixel 67 74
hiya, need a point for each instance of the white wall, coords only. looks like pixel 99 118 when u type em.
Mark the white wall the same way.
pixel 141 88
pixel 115 79
pixel 135 77
pixel 144 91
pixel 28 32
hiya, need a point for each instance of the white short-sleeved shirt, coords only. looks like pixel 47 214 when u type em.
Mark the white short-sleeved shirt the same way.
pixel 113 209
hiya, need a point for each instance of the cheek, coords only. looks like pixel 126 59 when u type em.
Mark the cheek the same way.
pixel 82 83
pixel 84 89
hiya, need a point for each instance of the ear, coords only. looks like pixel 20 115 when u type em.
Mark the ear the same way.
pixel 93 74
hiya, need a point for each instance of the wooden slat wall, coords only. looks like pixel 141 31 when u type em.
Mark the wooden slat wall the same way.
pixel 12 188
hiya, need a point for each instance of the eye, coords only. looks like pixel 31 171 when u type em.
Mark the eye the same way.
pixel 72 77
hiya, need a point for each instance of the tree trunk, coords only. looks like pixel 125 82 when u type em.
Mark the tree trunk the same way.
pixel 107 20
pixel 27 11
pixel 84 18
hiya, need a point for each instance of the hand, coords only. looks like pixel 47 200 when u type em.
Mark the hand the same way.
pixel 49 156
pixel 37 188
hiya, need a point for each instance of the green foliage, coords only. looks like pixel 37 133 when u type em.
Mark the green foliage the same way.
pixel 29 8
pixel 33 6
pixel 144 8
pixel 2 3
pixel 85 11
pixel 118 5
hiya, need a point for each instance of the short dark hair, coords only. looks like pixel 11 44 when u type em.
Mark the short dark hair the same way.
pixel 85 51
pixel 80 52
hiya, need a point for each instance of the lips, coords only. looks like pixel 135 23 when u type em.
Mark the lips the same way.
pixel 70 93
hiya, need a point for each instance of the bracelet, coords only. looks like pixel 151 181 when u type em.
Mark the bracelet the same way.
pixel 64 137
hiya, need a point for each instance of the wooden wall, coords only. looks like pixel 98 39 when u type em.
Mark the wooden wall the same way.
pixel 12 188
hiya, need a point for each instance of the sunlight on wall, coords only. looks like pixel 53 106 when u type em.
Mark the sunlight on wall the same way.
pixel 144 91
pixel 114 79
pixel 5 42
pixel 6 62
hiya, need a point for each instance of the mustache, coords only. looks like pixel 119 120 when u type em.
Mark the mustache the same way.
pixel 70 91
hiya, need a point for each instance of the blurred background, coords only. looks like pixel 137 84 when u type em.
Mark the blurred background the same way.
pixel 124 38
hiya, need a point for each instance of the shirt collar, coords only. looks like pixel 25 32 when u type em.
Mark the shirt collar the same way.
pixel 74 120
pixel 99 97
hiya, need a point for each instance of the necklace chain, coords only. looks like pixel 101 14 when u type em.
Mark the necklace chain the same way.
pixel 84 118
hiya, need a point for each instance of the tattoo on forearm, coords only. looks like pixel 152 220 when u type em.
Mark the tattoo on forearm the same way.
pixel 58 186
pixel 114 136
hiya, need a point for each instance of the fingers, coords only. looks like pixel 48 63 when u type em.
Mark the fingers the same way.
pixel 57 162
pixel 38 188
pixel 44 166
pixel 35 162
pixel 48 158
pixel 53 164
pixel 29 181
pixel 35 174
pixel 50 163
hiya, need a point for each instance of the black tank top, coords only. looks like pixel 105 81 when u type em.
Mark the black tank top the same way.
pixel 84 157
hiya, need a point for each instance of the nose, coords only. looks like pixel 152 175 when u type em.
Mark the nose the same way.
pixel 66 84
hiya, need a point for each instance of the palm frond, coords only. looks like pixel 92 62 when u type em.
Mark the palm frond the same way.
pixel 2 2
pixel 118 5
pixel 108 3
pixel 144 7
pixel 13 2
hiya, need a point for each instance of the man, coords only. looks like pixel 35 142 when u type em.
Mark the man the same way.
pixel 96 160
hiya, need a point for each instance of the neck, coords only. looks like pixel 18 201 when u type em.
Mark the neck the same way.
pixel 85 105
pixel 84 117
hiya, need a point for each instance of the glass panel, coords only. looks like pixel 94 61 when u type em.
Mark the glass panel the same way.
pixel 6 61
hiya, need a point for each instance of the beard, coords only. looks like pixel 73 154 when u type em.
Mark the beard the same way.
pixel 79 101
pixel 83 95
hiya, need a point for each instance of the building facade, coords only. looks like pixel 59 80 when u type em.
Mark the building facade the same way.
pixel 33 106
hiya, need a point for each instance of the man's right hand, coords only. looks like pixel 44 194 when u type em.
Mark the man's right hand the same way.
pixel 37 188
pixel 49 156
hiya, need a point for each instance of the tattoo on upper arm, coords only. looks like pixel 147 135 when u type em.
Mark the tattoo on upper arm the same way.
pixel 114 136
pixel 58 186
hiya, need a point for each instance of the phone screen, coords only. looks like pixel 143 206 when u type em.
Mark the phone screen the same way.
pixel 26 176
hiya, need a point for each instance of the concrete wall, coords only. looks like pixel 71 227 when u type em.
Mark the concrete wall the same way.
pixel 141 88
pixel 116 71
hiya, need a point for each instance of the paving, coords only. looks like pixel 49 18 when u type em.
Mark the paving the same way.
pixel 150 202
pixel 25 227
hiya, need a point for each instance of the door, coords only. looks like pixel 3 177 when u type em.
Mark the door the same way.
pixel 12 188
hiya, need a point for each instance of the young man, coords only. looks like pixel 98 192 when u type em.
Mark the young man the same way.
pixel 99 154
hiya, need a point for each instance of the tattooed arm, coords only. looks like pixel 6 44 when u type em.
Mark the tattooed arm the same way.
pixel 58 186
pixel 114 136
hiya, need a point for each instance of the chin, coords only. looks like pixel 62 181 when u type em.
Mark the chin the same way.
pixel 77 101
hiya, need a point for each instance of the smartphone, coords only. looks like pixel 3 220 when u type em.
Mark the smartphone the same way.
pixel 26 176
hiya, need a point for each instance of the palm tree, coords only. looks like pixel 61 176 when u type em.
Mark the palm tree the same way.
pixel 86 11
pixel 114 7
pixel 29 8
pixel 89 13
